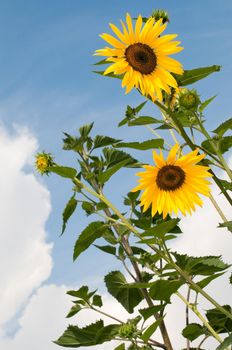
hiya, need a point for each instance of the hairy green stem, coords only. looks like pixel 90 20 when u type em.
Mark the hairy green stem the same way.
pixel 199 315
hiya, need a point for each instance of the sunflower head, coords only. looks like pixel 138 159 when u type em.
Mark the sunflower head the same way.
pixel 141 55
pixel 42 162
pixel 173 185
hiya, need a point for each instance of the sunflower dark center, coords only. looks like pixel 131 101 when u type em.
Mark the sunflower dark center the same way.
pixel 170 178
pixel 141 57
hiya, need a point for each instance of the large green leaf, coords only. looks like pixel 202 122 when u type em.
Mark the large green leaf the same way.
pixel 206 265
pixel 114 156
pixel 142 146
pixel 106 175
pixel 102 141
pixel 193 331
pixel 116 285
pixel 93 231
pixel 193 75
pixel 163 289
pixel 68 211
pixel 64 171
pixel 222 128
pixel 161 229
pixel 93 334
pixel 219 321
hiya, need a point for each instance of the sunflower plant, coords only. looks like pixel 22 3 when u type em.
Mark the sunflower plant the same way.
pixel 173 184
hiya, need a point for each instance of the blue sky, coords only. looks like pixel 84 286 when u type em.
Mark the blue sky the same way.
pixel 46 84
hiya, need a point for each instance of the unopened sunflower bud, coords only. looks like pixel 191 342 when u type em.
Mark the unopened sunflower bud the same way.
pixel 127 330
pixel 188 99
pixel 157 14
pixel 43 161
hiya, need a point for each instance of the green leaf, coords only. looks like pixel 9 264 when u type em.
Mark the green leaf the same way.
pixel 102 141
pixel 151 311
pixel 74 310
pixel 88 207
pixel 120 347
pixel 85 130
pixel 75 337
pixel 106 248
pixel 97 300
pixel 144 121
pixel 110 75
pixel 81 293
pixel 90 335
pixel 143 146
pixel 163 289
pixel 219 321
pixel 193 75
pixel 114 156
pixel 223 144
pixel 193 331
pixel 68 211
pixel 139 107
pixel 151 329
pixel 226 184
pixel 206 103
pixel 129 298
pixel 222 128
pixel 227 224
pixel 101 62
pixel 161 229
pixel 206 265
pixel 203 283
pixel 92 232
pixel 226 343
pixel 106 175
pixel 64 171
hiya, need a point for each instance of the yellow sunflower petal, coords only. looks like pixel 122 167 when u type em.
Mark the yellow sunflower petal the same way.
pixel 172 154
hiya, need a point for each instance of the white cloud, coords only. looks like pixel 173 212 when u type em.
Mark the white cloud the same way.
pixel 24 208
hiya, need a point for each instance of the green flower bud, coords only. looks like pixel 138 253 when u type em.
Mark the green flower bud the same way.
pixel 42 162
pixel 188 99
pixel 127 330
pixel 157 14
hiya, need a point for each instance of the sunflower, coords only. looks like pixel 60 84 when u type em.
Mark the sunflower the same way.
pixel 174 184
pixel 141 55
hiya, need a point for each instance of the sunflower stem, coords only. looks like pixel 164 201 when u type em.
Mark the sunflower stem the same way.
pixel 220 212
pixel 155 249
pixel 199 315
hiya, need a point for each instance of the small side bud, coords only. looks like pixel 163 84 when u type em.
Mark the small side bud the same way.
pixel 157 14
pixel 188 99
pixel 43 161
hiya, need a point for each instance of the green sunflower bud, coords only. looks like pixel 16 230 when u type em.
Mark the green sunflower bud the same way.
pixel 157 14
pixel 127 330
pixel 188 99
pixel 42 162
